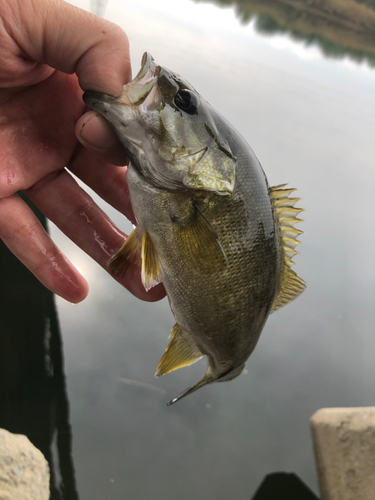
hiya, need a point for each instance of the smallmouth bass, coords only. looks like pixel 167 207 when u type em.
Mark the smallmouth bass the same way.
pixel 208 225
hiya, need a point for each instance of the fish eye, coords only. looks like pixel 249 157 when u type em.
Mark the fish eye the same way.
pixel 186 101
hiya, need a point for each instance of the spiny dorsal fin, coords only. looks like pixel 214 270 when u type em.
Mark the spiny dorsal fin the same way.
pixel 151 272
pixel 128 258
pixel 200 243
pixel 179 353
pixel 290 285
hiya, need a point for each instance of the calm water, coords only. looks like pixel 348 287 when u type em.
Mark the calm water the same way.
pixel 310 120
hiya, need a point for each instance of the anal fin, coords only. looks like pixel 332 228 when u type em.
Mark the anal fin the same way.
pixel 179 353
pixel 128 258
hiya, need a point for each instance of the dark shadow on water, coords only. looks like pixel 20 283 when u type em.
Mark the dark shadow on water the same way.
pixel 283 486
pixel 33 399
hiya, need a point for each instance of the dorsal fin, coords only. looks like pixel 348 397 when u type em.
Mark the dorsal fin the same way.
pixel 180 352
pixel 128 258
pixel 290 285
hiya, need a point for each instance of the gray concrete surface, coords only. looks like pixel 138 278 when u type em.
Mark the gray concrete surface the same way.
pixel 344 445
pixel 24 473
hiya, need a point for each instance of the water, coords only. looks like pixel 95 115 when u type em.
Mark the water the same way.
pixel 310 121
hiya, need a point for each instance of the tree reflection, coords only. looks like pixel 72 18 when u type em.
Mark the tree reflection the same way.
pixel 345 28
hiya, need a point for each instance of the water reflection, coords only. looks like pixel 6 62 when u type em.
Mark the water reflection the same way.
pixel 340 29
pixel 33 398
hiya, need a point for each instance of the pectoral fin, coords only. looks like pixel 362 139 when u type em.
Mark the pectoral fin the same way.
pixel 151 271
pixel 128 258
pixel 137 254
pixel 180 352
pixel 290 285
pixel 200 244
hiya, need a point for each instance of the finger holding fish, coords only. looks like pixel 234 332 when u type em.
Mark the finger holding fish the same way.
pixel 76 214
pixel 97 136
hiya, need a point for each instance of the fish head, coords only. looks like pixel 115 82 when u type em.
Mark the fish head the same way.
pixel 169 131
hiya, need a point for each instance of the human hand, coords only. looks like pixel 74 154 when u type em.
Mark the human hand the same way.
pixel 42 44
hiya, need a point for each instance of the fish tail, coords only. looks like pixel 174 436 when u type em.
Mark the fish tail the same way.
pixel 207 379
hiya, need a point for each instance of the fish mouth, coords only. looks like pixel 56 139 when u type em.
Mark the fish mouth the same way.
pixel 134 92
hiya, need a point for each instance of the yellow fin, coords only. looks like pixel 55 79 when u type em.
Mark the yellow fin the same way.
pixel 290 285
pixel 179 353
pixel 128 258
pixel 290 232
pixel 200 243
pixel 277 193
pixel 151 272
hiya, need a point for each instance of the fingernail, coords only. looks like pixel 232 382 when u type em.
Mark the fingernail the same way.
pixel 97 132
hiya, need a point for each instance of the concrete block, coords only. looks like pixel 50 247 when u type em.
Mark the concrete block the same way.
pixel 24 472
pixel 344 444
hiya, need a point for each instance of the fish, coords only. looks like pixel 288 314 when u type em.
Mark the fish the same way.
pixel 208 225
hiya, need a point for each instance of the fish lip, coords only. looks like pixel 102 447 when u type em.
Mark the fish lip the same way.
pixel 147 64
pixel 135 92
pixel 91 96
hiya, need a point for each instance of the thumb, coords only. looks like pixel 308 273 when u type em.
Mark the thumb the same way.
pixel 69 39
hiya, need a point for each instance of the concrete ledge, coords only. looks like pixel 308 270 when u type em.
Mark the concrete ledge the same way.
pixel 344 444
pixel 24 472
